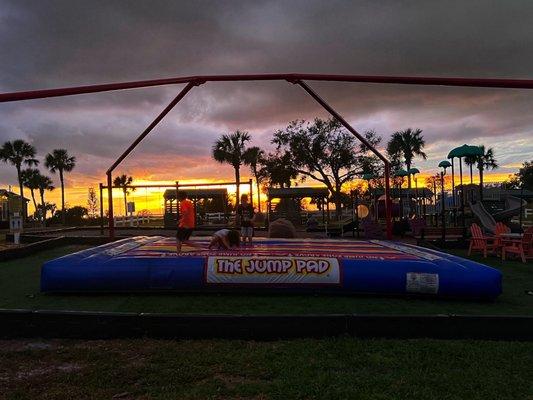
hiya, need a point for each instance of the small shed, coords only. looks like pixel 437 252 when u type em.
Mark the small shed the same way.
pixel 293 197
pixel 195 195
pixel 10 203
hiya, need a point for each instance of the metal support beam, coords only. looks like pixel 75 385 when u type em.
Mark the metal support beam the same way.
pixel 402 80
pixel 154 123
pixel 294 78
pixel 145 133
pixel 362 139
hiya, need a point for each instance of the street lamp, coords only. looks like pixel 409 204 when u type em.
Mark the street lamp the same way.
pixel 401 173
pixel 443 164
pixel 414 171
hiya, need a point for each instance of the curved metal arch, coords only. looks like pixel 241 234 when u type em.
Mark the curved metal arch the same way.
pixel 307 88
pixel 295 78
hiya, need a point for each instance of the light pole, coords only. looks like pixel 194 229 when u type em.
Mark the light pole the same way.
pixel 401 173
pixel 414 171
pixel 435 201
pixel 443 164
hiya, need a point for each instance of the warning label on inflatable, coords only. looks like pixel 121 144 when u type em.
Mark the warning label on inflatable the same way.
pixel 422 283
pixel 272 270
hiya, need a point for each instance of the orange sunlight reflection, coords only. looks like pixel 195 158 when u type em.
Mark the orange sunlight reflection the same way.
pixel 151 199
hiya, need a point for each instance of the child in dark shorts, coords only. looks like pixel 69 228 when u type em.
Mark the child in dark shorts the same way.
pixel 245 215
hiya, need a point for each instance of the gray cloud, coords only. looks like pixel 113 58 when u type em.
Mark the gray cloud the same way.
pixel 61 43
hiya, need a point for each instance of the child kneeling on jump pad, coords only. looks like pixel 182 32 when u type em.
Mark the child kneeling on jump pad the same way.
pixel 225 239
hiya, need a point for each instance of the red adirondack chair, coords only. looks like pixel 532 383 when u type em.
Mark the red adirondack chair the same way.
pixel 480 242
pixel 500 229
pixel 522 247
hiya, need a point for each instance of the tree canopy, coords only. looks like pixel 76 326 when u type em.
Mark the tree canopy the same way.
pixel 326 152
pixel 231 149
pixel 523 178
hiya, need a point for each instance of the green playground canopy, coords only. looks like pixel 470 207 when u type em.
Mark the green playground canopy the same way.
pixel 465 150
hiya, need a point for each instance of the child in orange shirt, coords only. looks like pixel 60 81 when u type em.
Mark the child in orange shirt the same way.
pixel 186 221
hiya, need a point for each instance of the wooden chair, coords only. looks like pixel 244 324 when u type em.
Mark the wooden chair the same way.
pixel 522 247
pixel 480 242
pixel 500 229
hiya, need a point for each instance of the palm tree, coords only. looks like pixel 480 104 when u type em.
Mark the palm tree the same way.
pixel 485 162
pixel 253 157
pixel 44 183
pixel 59 160
pixel 231 149
pixel 16 153
pixel 30 179
pixel 123 181
pixel 407 144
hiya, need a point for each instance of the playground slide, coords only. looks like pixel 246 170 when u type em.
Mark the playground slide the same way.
pixel 484 216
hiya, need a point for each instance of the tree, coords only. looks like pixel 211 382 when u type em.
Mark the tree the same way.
pixel 44 183
pixel 17 153
pixel 254 157
pixel 326 152
pixel 485 162
pixel 123 181
pixel 278 170
pixel 231 149
pixel 74 215
pixel 92 202
pixel 30 179
pixel 406 144
pixel 523 178
pixel 60 161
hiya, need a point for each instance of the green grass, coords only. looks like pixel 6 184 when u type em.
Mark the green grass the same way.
pixel 19 288
pixel 341 368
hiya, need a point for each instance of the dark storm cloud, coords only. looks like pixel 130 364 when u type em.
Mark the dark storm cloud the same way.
pixel 61 43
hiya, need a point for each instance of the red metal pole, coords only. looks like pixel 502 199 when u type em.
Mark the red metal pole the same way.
pixel 154 123
pixel 337 116
pixel 111 221
pixel 404 80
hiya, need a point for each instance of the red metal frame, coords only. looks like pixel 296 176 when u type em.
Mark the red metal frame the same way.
pixel 293 78
pixel 405 80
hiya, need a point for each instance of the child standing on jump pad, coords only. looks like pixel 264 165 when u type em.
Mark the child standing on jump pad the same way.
pixel 245 214
pixel 186 220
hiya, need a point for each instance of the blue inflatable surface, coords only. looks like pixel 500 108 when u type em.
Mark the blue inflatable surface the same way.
pixel 151 264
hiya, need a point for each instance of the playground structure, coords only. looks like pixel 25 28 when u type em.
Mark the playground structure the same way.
pixel 298 79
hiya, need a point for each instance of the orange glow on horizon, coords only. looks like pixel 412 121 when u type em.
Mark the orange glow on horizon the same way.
pixel 151 199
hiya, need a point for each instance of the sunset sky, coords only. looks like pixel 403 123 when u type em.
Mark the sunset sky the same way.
pixel 47 44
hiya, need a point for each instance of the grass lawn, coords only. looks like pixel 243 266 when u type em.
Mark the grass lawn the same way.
pixel 19 288
pixel 342 368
